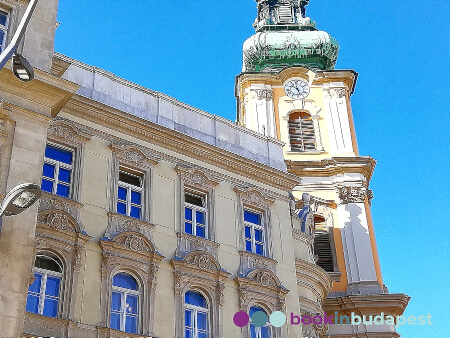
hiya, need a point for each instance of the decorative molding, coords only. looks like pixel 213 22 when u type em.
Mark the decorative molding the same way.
pixel 254 197
pixel 315 279
pixel 67 133
pixel 177 162
pixel 337 93
pixel 133 155
pixel 196 178
pixel 50 202
pixel 182 144
pixel 352 194
pixel 264 94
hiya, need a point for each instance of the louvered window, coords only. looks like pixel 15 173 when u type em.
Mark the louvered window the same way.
pixel 301 132
pixel 285 14
pixel 322 245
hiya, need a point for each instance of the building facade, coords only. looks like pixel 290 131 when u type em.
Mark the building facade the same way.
pixel 160 220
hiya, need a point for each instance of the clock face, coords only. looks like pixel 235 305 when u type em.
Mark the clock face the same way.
pixel 296 89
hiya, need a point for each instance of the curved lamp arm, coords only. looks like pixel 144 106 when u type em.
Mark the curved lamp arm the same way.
pixel 12 47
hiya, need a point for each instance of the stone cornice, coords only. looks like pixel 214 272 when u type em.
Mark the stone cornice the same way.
pixel 363 165
pixel 47 94
pixel 136 127
pixel 390 304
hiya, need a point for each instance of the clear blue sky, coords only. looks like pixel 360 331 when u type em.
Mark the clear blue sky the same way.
pixel 192 50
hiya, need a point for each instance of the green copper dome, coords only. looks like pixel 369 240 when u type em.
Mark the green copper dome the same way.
pixel 286 37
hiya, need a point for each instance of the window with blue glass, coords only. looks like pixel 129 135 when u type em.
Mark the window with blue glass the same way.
pixel 259 332
pixel 3 29
pixel 254 232
pixel 129 199
pixel 195 214
pixel 196 316
pixel 125 303
pixel 57 171
pixel 43 294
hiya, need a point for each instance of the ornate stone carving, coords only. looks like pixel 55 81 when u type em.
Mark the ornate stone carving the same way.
pixel 134 157
pixel 134 242
pixel 202 261
pixel 264 94
pixel 196 178
pixel 54 202
pixel 118 224
pixel 264 278
pixel 352 194
pixel 338 93
pixel 62 132
pixel 253 197
pixel 370 196
pixel 67 133
pixel 220 294
pixel 58 221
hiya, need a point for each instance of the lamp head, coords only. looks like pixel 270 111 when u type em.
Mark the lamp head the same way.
pixel 19 199
pixel 21 68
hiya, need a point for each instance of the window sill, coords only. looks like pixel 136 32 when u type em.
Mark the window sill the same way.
pixel 188 243
pixel 118 223
pixel 251 261
pixel 44 326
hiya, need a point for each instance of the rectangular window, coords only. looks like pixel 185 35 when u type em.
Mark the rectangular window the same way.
pixel 254 232
pixel 129 194
pixel 3 29
pixel 57 171
pixel 195 214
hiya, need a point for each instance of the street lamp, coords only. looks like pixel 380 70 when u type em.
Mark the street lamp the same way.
pixel 19 199
pixel 20 66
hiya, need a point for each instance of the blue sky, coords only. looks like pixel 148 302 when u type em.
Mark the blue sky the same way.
pixel 192 50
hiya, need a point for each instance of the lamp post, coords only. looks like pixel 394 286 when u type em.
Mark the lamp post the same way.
pixel 19 199
pixel 20 66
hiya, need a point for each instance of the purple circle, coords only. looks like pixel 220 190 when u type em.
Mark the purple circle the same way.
pixel 241 318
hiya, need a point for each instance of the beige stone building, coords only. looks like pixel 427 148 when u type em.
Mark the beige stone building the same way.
pixel 158 219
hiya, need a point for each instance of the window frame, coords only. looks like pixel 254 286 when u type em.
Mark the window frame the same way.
pixel 4 28
pixel 195 208
pixel 252 227
pixel 196 310
pixel 123 297
pixel 42 296
pixel 258 329
pixel 130 187
pixel 58 164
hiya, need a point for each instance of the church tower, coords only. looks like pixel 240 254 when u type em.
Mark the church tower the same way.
pixel 290 90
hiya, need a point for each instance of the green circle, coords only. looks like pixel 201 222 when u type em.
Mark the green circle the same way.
pixel 277 319
pixel 259 319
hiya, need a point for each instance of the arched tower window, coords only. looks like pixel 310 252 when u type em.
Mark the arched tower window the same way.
pixel 322 245
pixel 259 332
pixel 301 132
pixel 125 303
pixel 44 294
pixel 196 316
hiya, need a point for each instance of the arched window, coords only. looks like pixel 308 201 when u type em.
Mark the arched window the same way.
pixel 196 316
pixel 259 332
pixel 125 303
pixel 322 245
pixel 301 132
pixel 43 294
